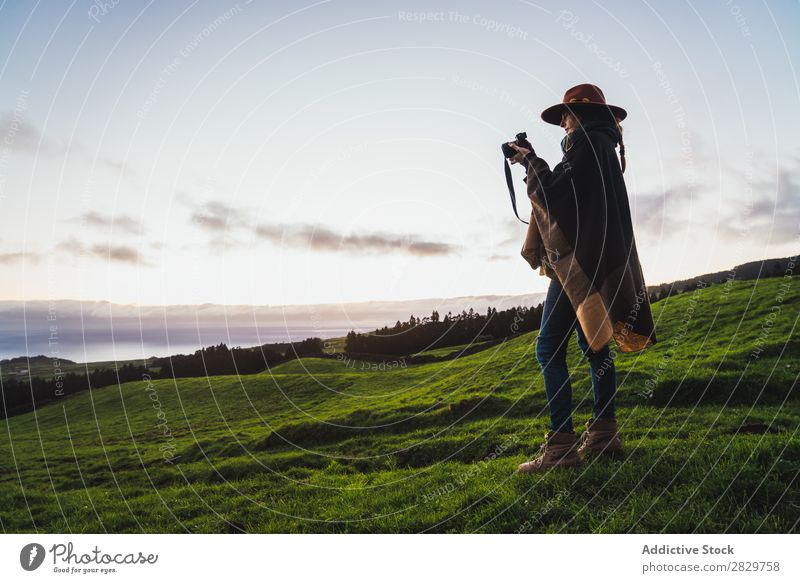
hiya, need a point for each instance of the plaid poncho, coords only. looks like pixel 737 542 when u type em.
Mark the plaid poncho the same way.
pixel 581 234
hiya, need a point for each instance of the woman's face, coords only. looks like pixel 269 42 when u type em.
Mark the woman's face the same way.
pixel 568 122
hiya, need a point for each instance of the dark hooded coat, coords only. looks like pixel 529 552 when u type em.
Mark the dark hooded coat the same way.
pixel 581 234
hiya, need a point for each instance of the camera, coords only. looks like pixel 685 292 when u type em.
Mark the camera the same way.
pixel 521 140
pixel 509 152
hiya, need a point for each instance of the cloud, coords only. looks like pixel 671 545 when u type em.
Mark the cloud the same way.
pixel 662 214
pixel 223 221
pixel 324 239
pixel 514 237
pixel 14 257
pixel 124 223
pixel 500 257
pixel 121 253
pixel 773 213
pixel 770 209
pixel 116 253
pixel 19 134
pixel 218 216
pixel 25 137
pixel 509 229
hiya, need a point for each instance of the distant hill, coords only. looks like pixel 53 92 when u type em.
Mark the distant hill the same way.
pixel 746 271
pixel 32 360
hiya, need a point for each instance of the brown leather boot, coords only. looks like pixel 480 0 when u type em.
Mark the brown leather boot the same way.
pixel 558 449
pixel 600 437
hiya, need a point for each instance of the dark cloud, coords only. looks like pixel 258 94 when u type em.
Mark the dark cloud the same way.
pixel 514 237
pixel 508 228
pixel 651 212
pixel 20 134
pixel 772 214
pixel 121 253
pixel 72 246
pixel 117 253
pixel 6 258
pixel 224 221
pixel 501 257
pixel 218 216
pixel 324 239
pixel 120 222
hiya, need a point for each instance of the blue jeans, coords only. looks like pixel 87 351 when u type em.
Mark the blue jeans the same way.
pixel 558 322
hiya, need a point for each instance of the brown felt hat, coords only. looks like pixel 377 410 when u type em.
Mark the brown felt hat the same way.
pixel 580 98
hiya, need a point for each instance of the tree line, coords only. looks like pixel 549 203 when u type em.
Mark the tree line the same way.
pixel 22 395
pixel 420 334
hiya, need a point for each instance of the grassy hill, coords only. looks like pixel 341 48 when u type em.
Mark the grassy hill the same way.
pixel 323 445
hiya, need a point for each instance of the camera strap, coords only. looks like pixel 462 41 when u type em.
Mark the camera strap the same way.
pixel 511 193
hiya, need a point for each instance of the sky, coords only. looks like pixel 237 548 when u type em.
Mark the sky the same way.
pixel 324 152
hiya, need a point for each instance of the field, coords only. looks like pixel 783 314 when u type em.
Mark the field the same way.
pixel 709 416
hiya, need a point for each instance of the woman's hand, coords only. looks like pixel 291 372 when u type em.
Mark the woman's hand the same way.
pixel 521 153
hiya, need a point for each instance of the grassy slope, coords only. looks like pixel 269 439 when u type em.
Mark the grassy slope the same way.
pixel 322 445
pixel 450 350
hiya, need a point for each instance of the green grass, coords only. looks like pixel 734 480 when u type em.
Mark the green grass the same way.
pixel 451 350
pixel 325 445
pixel 334 345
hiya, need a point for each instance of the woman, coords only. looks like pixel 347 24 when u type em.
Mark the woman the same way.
pixel 580 236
